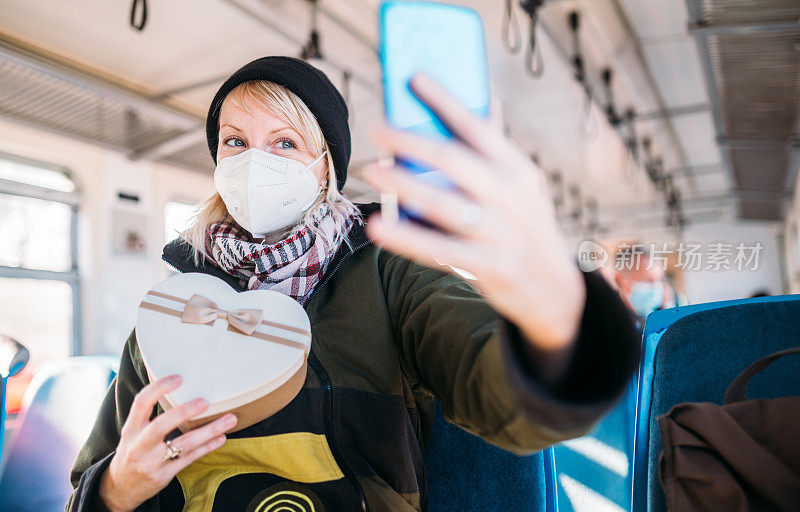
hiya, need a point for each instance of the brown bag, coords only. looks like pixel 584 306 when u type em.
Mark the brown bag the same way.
pixel 740 457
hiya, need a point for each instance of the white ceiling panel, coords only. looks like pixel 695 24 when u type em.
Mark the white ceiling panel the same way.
pixel 708 183
pixel 657 19
pixel 696 131
pixel 676 67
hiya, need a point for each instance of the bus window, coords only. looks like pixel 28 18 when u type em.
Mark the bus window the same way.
pixel 37 264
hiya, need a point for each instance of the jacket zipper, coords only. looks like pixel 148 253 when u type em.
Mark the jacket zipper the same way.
pixel 325 382
pixel 327 388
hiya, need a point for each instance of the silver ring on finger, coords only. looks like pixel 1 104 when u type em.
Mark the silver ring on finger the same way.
pixel 173 452
pixel 471 217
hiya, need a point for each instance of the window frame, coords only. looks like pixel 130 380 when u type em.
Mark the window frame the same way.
pixel 72 276
pixel 175 199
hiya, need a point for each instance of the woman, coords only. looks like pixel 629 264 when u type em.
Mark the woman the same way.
pixel 532 356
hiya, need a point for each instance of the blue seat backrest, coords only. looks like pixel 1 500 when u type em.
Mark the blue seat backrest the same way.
pixel 692 353
pixel 594 472
pixel 465 473
pixel 58 411
pixel 2 415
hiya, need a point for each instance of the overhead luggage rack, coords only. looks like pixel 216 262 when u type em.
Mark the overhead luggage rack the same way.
pixel 46 95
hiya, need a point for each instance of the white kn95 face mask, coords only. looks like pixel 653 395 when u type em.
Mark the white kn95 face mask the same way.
pixel 264 192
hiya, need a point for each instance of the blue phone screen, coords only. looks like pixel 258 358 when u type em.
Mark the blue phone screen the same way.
pixel 444 41
pixel 447 43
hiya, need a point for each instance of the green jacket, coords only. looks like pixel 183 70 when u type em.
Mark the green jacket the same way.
pixel 390 337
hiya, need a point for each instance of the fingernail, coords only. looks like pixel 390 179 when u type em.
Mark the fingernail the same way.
pixel 175 379
pixel 200 402
pixel 230 420
pixel 421 79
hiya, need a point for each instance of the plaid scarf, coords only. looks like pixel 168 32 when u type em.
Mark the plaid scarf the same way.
pixel 291 266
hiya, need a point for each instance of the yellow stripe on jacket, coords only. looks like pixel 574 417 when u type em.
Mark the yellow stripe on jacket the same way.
pixel 299 456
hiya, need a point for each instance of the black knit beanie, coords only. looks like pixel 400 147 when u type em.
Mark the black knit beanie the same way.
pixel 310 85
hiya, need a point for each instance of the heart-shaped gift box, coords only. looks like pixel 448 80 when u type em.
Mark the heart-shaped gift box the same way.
pixel 244 353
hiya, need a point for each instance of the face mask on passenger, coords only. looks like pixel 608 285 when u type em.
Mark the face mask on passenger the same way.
pixel 646 297
pixel 265 193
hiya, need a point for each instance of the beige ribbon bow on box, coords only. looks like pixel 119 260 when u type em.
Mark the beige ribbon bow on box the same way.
pixel 202 310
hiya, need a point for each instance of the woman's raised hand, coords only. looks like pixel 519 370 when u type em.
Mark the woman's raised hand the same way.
pixel 138 470
pixel 500 226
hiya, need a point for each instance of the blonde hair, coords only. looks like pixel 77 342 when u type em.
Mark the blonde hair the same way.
pixel 287 106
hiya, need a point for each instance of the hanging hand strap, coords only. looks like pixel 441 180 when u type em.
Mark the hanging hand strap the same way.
pixel 736 391
pixel 512 39
pixel 139 25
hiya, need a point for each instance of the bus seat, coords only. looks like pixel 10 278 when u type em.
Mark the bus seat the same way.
pixel 692 354
pixel 594 472
pixel 2 418
pixel 58 411
pixel 13 359
pixel 466 473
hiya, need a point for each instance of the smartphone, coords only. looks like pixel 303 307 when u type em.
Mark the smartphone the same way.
pixel 447 43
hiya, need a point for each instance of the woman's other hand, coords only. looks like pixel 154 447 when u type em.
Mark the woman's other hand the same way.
pixel 500 226
pixel 137 470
